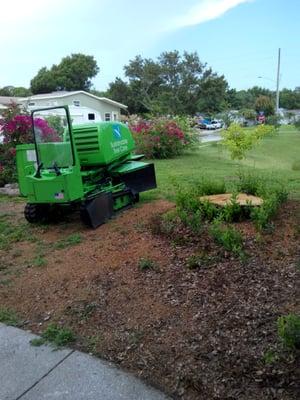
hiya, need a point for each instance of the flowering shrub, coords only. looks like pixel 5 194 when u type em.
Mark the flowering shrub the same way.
pixel 239 140
pixel 161 137
pixel 16 128
pixel 45 132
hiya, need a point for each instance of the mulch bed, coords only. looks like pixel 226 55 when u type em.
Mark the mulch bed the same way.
pixel 196 334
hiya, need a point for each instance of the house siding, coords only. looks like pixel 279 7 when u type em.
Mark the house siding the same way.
pixel 85 101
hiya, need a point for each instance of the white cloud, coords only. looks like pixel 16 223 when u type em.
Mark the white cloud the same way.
pixel 204 11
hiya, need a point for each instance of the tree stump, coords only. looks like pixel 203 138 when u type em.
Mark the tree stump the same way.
pixel 242 199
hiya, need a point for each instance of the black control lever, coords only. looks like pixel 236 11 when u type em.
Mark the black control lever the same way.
pixel 38 171
pixel 56 169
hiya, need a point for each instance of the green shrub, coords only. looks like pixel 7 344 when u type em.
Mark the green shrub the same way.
pixel 289 330
pixel 263 214
pixel 191 210
pixel 297 123
pixel 270 357
pixel 8 317
pixel 296 165
pixel 147 264
pixel 249 183
pixel 8 171
pixel 239 140
pixel 58 336
pixel 228 237
pixel 197 261
pixel 191 220
pixel 273 120
pixel 207 187
pixel 162 137
pixel 168 222
pixel 70 240
pixel 271 191
pixel 248 113
pixel 231 212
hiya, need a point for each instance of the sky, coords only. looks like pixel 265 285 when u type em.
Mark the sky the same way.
pixel 236 38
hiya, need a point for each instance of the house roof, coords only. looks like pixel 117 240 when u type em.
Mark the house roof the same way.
pixel 7 100
pixel 66 94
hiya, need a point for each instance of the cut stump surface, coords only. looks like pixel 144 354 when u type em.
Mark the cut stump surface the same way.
pixel 242 199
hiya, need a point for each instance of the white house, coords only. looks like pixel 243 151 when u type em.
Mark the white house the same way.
pixel 84 107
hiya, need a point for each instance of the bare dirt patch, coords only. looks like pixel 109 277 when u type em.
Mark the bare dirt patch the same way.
pixel 197 334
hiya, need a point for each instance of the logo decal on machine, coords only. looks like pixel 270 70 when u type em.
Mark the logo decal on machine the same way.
pixel 117 132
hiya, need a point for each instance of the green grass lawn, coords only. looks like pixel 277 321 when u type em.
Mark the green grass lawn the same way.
pixel 273 156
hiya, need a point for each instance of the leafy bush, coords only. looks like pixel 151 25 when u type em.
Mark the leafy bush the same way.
pixel 270 357
pixel 249 183
pixel 162 137
pixel 192 220
pixel 297 123
pixel 239 140
pixel 8 173
pixel 296 165
pixel 16 128
pixel 191 210
pixel 8 317
pixel 168 222
pixel 147 264
pixel 271 191
pixel 228 237
pixel 273 197
pixel 289 330
pixel 248 113
pixel 197 261
pixel 262 215
pixel 58 336
pixel 273 120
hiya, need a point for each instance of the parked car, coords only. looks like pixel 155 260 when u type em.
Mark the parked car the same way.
pixel 206 124
pixel 216 123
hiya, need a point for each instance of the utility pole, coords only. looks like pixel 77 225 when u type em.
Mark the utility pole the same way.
pixel 277 86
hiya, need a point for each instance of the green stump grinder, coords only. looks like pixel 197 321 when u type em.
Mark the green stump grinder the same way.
pixel 90 166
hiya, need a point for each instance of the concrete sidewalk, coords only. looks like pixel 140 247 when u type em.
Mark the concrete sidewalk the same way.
pixel 36 373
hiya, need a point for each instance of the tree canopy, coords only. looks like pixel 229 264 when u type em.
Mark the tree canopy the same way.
pixel 13 91
pixel 172 84
pixel 72 73
pixel 265 104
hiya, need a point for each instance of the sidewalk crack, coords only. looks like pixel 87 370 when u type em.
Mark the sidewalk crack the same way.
pixel 44 376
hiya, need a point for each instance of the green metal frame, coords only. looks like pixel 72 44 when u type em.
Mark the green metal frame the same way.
pixel 102 154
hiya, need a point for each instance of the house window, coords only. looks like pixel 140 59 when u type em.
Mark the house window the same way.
pixel 91 117
pixel 31 104
pixel 76 103
pixel 107 117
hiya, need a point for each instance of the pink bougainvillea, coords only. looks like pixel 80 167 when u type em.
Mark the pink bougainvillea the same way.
pixel 159 138
pixel 44 131
pixel 19 130
pixel 16 128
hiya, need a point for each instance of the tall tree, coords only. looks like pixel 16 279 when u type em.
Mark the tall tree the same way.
pixel 121 91
pixel 212 96
pixel 265 104
pixel 172 84
pixel 43 82
pixel 289 99
pixel 13 91
pixel 72 73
